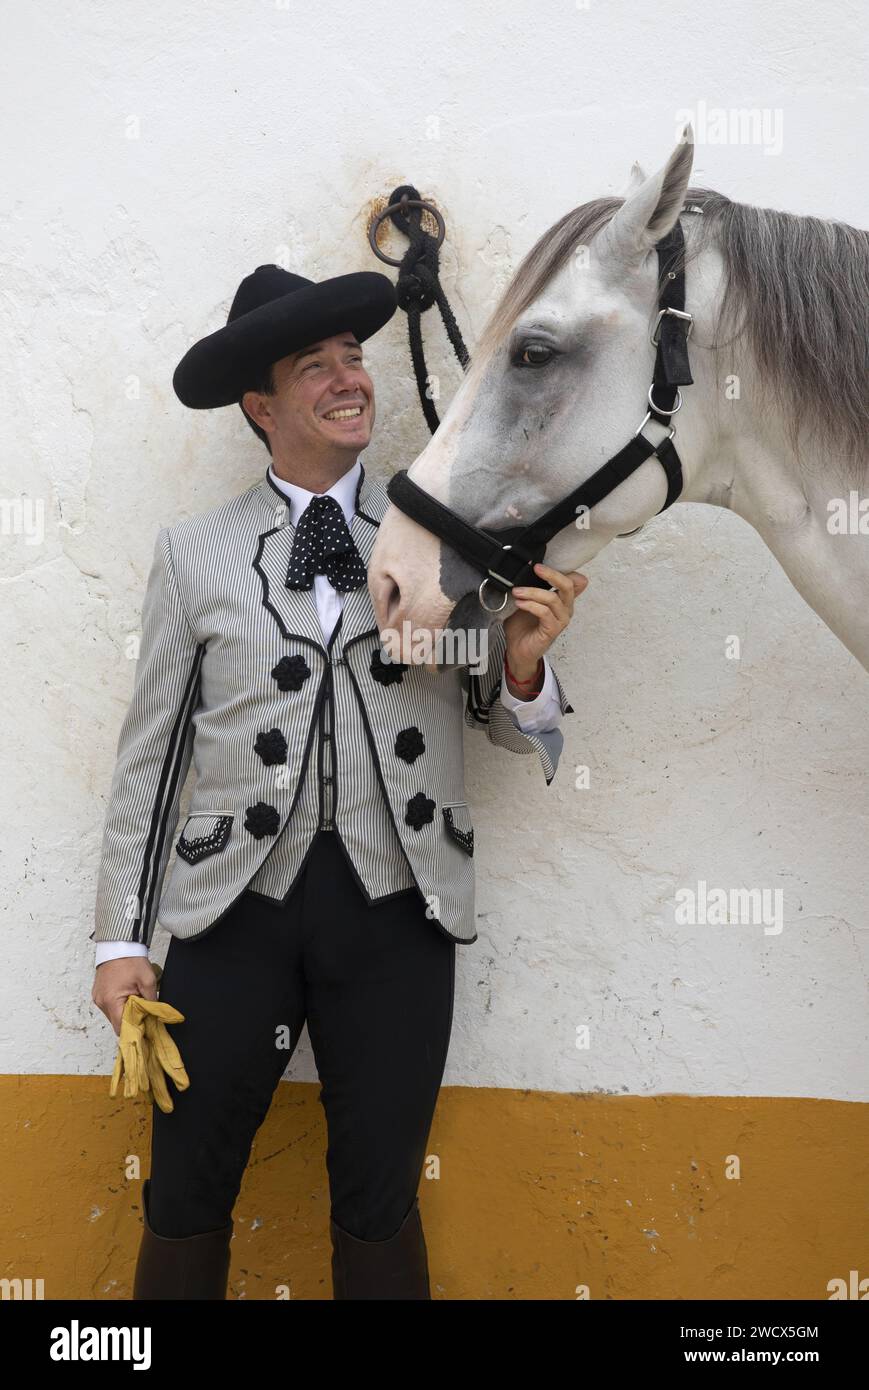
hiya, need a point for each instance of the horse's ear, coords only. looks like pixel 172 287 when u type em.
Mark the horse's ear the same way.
pixel 652 204
pixel 637 177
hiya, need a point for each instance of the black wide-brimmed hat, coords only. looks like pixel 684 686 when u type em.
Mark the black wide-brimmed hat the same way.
pixel 274 313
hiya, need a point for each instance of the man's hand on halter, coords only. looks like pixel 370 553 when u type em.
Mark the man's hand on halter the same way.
pixel 541 614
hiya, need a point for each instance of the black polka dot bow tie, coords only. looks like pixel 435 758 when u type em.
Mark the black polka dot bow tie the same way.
pixel 322 544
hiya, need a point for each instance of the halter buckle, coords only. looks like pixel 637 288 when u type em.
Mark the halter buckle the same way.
pixel 504 580
pixel 677 314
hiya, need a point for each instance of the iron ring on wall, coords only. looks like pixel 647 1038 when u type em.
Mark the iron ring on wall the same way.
pixel 402 206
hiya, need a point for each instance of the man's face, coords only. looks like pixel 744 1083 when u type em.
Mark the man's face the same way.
pixel 323 401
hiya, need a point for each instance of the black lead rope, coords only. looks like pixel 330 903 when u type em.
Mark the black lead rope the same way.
pixel 506 557
pixel 418 287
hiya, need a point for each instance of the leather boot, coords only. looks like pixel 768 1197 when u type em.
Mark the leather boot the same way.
pixel 394 1268
pixel 185 1267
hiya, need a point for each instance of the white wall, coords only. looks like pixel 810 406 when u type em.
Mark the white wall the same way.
pixel 153 156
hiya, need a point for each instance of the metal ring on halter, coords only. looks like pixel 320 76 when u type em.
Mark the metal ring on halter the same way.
pixel 646 418
pixel 401 206
pixel 505 597
pixel 658 409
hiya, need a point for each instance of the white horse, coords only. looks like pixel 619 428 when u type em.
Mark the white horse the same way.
pixel 774 426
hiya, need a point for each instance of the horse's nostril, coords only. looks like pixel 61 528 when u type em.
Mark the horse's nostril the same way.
pixel 393 597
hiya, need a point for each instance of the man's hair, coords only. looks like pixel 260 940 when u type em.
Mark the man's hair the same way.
pixel 263 382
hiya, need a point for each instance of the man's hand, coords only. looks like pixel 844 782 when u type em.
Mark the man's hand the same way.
pixel 116 980
pixel 541 614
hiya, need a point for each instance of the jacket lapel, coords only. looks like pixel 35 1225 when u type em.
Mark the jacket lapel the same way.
pixel 295 610
pixel 358 612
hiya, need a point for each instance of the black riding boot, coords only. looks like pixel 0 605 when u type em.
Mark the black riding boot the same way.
pixel 185 1267
pixel 393 1268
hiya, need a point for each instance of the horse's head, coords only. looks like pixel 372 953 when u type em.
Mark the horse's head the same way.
pixel 558 384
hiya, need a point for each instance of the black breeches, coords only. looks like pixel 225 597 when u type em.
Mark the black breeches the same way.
pixel 375 985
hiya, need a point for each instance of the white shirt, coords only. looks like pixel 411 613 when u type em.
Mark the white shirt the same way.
pixel 531 716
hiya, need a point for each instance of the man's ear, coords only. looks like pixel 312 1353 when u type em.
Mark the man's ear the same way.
pixel 253 403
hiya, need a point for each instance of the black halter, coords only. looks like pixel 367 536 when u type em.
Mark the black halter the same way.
pixel 506 557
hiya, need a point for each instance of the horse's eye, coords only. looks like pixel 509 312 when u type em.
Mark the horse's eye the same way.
pixel 535 355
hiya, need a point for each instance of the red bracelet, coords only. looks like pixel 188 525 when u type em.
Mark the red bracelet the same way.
pixel 533 679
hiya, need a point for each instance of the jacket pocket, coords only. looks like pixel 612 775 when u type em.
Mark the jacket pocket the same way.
pixel 457 819
pixel 203 834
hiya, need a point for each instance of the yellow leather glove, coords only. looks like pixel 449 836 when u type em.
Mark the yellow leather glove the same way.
pixel 146 1053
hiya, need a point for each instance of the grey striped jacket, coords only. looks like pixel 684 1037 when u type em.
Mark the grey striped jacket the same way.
pixel 233 673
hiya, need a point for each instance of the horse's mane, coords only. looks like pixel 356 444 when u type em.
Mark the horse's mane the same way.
pixel 797 288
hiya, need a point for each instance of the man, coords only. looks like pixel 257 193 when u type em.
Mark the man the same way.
pixel 324 873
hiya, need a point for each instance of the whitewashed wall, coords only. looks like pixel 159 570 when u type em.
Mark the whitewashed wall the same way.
pixel 153 156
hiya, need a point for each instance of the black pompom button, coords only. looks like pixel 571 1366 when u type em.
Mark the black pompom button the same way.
pixel 291 672
pixel 272 747
pixel 386 672
pixel 409 744
pixel 420 811
pixel 261 820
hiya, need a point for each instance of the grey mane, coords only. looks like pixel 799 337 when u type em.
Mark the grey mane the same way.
pixel 795 291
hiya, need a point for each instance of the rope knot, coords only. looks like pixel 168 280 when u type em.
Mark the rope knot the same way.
pixel 416 288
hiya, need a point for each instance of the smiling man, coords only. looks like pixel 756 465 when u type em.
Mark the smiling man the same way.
pixel 294 403
pixel 324 873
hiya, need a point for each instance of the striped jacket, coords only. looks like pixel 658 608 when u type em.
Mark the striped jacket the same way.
pixel 286 734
